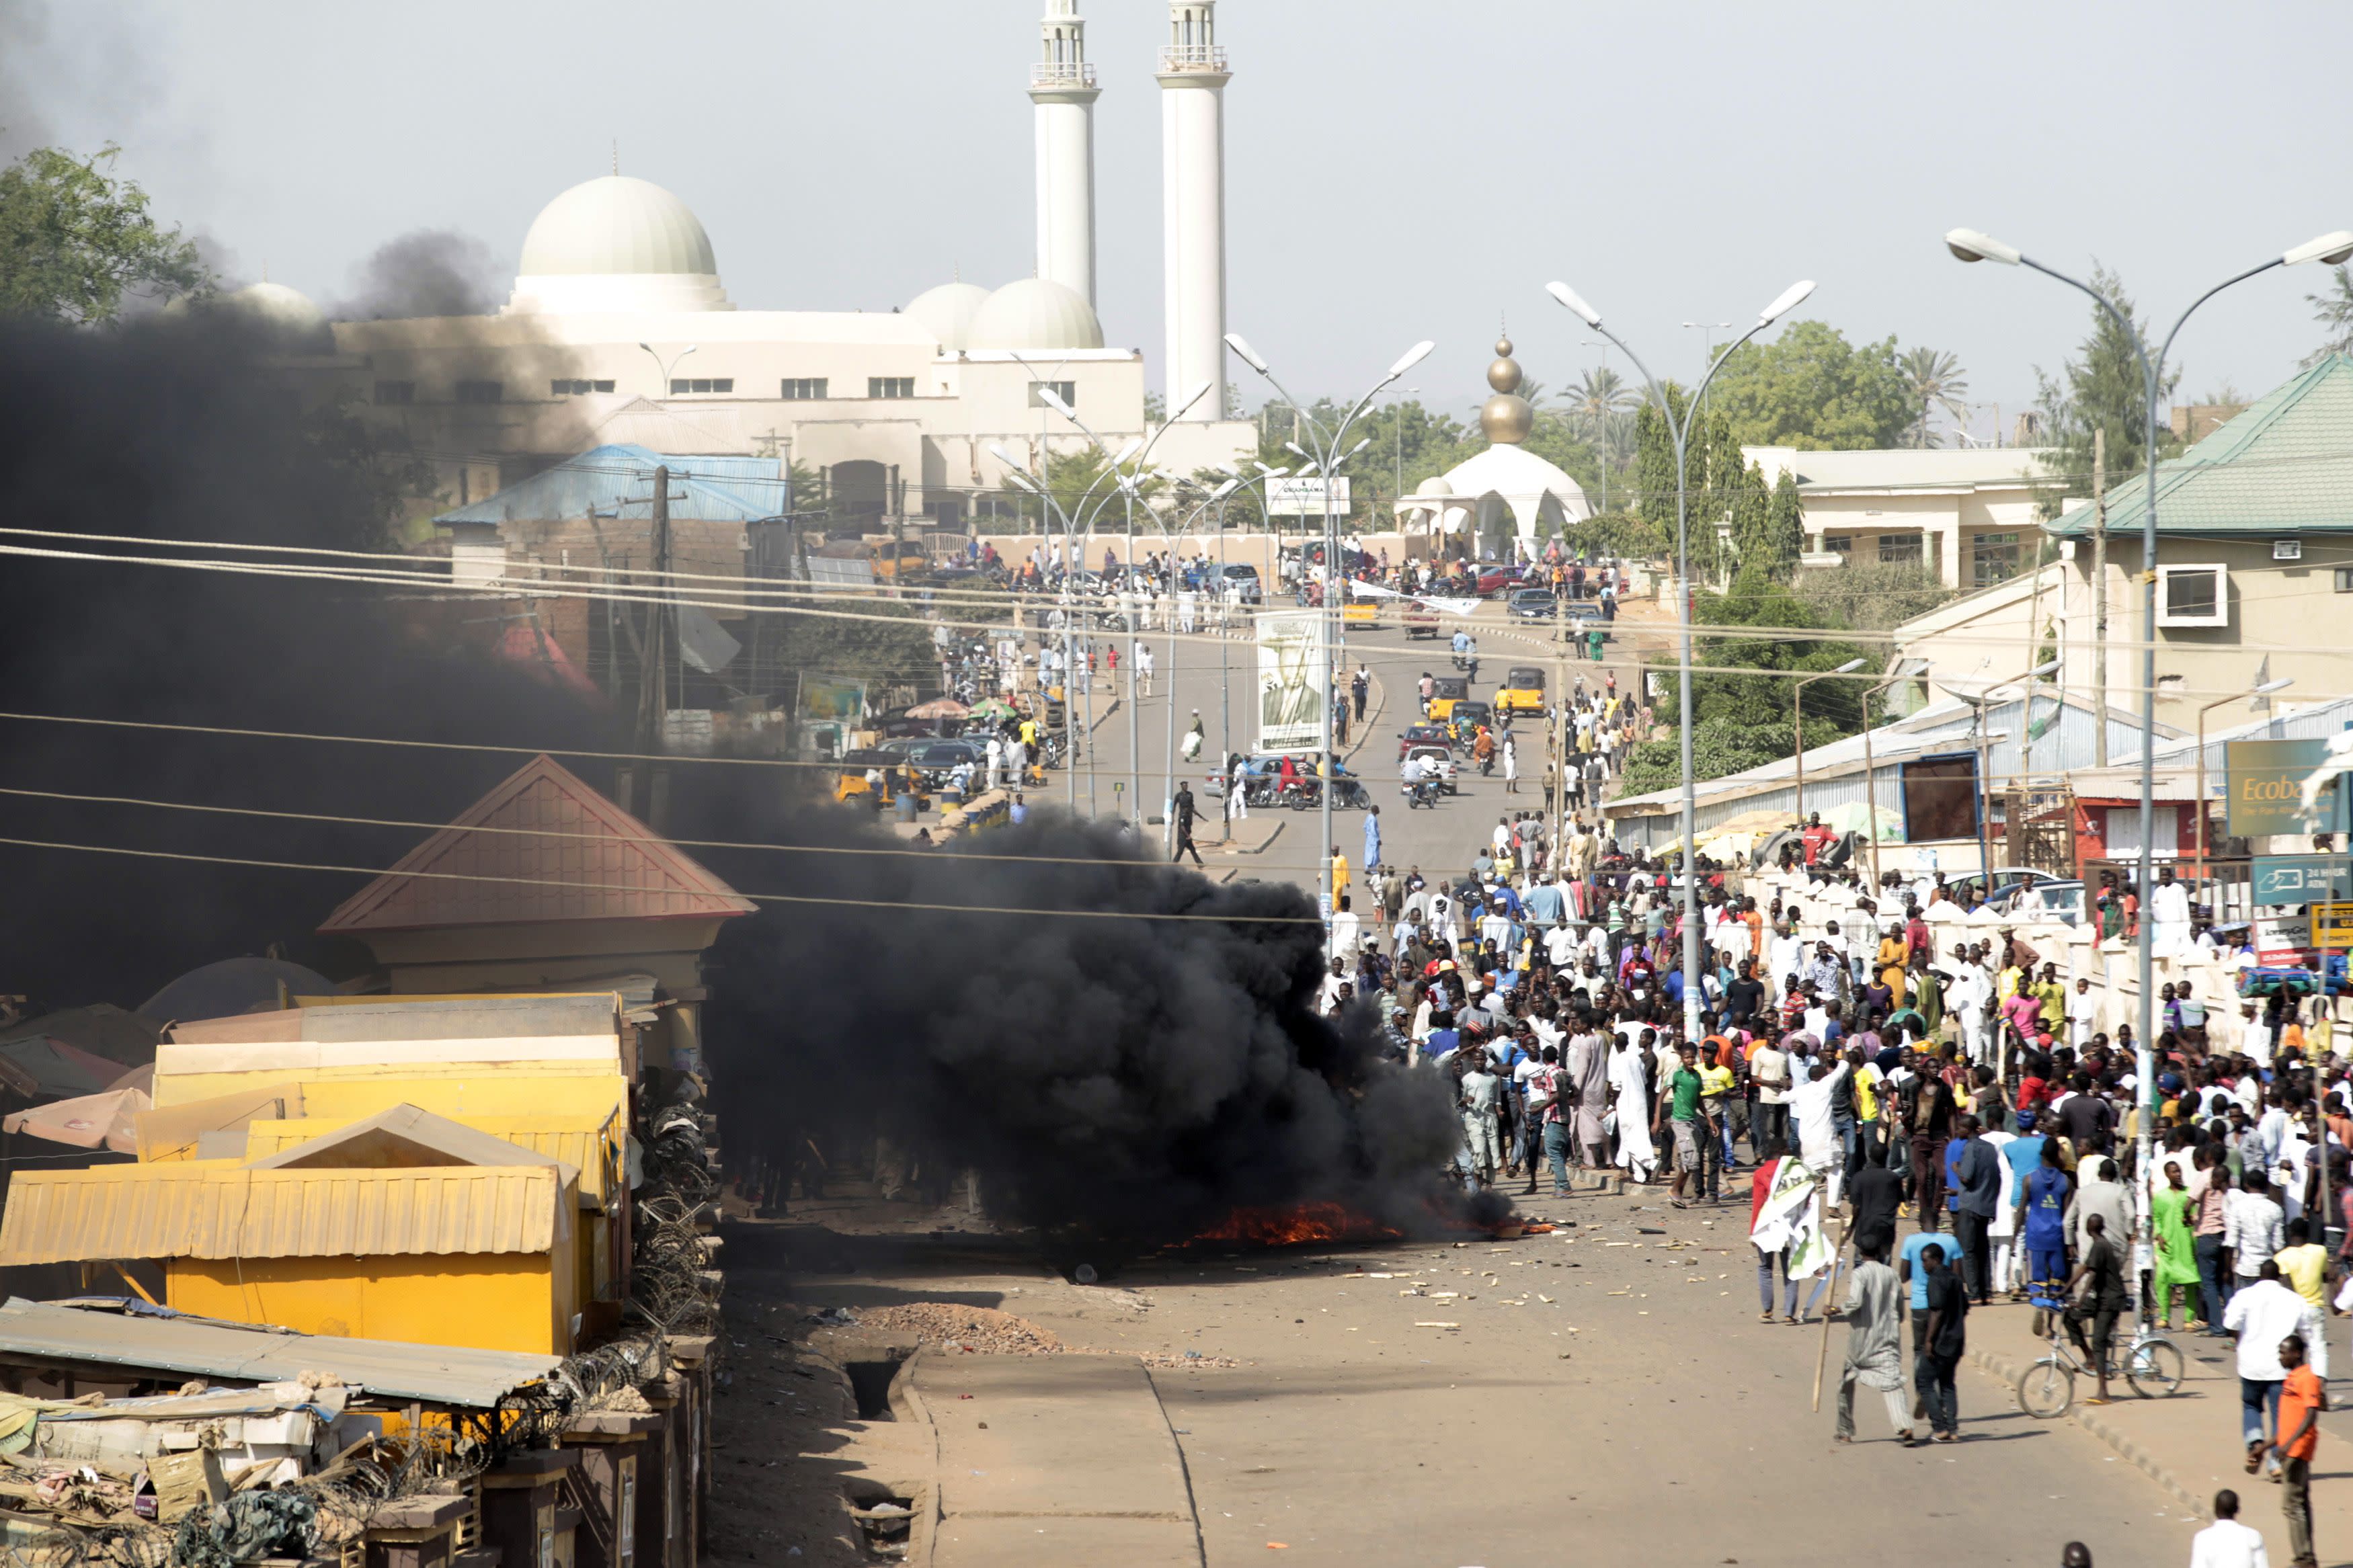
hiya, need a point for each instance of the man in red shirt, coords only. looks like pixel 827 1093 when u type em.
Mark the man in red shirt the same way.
pixel 1817 837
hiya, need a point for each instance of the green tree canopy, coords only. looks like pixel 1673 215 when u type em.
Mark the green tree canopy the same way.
pixel 2102 389
pixel 74 239
pixel 1810 388
pixel 1741 687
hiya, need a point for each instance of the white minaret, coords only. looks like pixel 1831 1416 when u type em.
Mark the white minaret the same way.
pixel 1193 78
pixel 1062 85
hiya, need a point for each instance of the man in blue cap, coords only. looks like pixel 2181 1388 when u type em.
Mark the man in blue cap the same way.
pixel 2023 1154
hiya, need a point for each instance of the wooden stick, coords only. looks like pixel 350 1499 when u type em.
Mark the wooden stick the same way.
pixel 1830 1302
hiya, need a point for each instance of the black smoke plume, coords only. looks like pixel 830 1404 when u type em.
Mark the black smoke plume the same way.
pixel 426 272
pixel 1121 1077
pixel 176 428
pixel 1124 1078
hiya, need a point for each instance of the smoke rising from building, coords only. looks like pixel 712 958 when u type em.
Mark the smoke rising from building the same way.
pixel 426 272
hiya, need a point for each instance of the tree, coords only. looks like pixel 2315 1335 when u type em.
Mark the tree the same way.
pixel 2334 312
pixel 1811 389
pixel 1740 686
pixel 2102 390
pixel 74 240
pixel 1936 381
pixel 1654 463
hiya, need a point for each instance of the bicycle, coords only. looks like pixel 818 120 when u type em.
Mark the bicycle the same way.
pixel 2153 1365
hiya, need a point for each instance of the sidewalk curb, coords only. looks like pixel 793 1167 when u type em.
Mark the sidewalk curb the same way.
pixel 2002 1368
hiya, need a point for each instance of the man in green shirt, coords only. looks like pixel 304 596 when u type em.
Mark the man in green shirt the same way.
pixel 1696 1149
pixel 2054 997
pixel 1927 996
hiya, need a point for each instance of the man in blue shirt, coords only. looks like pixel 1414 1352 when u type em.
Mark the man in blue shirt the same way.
pixel 2042 1227
pixel 1372 838
pixel 1019 813
pixel 1544 904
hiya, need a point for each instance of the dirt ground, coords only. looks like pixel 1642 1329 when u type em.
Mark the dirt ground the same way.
pixel 1458 1401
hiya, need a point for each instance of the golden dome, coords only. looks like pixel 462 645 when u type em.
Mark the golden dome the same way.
pixel 1504 375
pixel 1507 419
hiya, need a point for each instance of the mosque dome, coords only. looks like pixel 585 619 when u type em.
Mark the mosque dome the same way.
pixel 1036 313
pixel 948 312
pixel 616 243
pixel 1507 419
pixel 1435 485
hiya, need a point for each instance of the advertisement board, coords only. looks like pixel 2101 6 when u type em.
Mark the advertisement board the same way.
pixel 2267 787
pixel 2301 879
pixel 1304 497
pixel 1295 687
pixel 2282 938
pixel 823 699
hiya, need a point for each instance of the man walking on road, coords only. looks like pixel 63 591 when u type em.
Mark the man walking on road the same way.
pixel 1943 1341
pixel 1372 838
pixel 1183 812
pixel 2264 1314
pixel 1873 1344
pixel 2303 1396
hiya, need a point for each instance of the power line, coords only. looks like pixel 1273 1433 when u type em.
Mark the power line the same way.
pixel 624 887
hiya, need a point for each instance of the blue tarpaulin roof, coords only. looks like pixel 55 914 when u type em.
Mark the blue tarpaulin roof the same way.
pixel 617 481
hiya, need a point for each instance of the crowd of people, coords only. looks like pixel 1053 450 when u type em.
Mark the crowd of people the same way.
pixel 1912 1074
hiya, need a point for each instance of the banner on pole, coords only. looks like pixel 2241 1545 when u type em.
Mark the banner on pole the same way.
pixel 1294 686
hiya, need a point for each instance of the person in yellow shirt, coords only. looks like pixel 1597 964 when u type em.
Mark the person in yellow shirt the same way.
pixel 2303 1264
pixel 1339 875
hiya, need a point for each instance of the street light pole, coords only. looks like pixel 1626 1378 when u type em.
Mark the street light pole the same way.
pixel 1680 430
pixel 1326 459
pixel 2266 690
pixel 1797 725
pixel 663 389
pixel 2331 249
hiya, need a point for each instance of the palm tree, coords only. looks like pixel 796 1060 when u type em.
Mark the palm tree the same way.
pixel 2334 312
pixel 1599 394
pixel 1936 381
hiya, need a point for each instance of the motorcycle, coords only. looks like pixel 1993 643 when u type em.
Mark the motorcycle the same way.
pixel 1422 792
pixel 1300 794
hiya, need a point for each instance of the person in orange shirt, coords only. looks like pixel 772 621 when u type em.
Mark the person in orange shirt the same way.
pixel 2302 1399
pixel 1755 921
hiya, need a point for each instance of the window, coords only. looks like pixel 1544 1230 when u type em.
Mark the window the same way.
pixel 2193 596
pixel 2345 579
pixel 809 390
pixel 398 392
pixel 1899 550
pixel 1841 545
pixel 561 388
pixel 1992 558
pixel 890 386
pixel 481 391
pixel 701 383
pixel 1068 391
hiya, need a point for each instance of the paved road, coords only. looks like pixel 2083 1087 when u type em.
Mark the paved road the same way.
pixel 1640 1414
pixel 1432 839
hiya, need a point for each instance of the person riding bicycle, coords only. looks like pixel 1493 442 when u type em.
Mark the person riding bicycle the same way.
pixel 2096 1295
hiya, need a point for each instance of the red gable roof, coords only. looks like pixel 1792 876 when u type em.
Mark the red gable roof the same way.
pixel 563 853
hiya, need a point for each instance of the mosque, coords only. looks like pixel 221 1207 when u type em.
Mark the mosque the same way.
pixel 619 331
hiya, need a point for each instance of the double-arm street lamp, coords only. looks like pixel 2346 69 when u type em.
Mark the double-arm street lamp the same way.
pixel 1680 430
pixel 2332 250
pixel 1325 458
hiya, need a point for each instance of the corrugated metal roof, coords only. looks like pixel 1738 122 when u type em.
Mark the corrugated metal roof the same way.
pixel 584 1144
pixel 617 481
pixel 568 854
pixel 587 1012
pixel 188 1210
pixel 2284 465
pixel 158 1340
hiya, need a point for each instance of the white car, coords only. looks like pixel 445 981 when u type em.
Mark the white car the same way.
pixel 1443 757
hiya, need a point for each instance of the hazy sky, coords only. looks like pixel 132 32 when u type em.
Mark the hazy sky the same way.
pixel 1398 169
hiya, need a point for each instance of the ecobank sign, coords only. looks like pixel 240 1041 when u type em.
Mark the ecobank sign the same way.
pixel 2267 787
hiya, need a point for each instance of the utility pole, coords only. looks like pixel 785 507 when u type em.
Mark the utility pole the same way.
pixel 2100 600
pixel 653 682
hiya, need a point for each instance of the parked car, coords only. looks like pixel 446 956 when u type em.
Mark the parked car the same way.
pixel 2007 879
pixel 2053 899
pixel 1533 604
pixel 1246 577
pixel 1494 579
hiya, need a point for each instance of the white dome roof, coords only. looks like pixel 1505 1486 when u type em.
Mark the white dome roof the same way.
pixel 1435 485
pixel 948 312
pixel 615 224
pixel 1036 313
pixel 616 245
